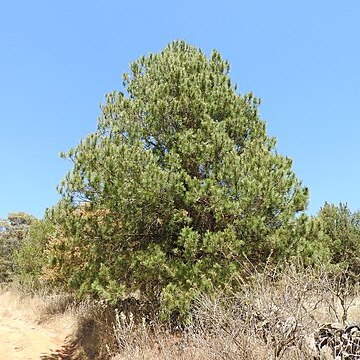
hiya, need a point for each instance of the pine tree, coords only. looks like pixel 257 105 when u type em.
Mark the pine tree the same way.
pixel 343 230
pixel 13 231
pixel 179 180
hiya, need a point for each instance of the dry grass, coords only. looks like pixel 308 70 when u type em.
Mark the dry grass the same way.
pixel 274 316
pixel 88 325
pixel 56 312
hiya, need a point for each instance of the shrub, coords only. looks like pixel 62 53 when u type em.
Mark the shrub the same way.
pixel 342 227
pixel 13 230
pixel 30 256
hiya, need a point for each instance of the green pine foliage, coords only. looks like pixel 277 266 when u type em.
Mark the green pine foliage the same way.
pixel 13 230
pixel 302 239
pixel 178 182
pixel 342 228
pixel 30 256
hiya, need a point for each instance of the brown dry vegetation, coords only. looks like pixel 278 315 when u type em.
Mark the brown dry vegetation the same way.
pixel 275 316
pixel 31 326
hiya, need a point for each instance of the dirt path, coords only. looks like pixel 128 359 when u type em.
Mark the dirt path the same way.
pixel 23 339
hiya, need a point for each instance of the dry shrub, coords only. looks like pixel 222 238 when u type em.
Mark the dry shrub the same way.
pixel 140 341
pixel 274 316
pixel 41 306
pixel 341 294
pixel 53 305
pixel 271 318
pixel 86 326
pixel 92 336
pixel 39 310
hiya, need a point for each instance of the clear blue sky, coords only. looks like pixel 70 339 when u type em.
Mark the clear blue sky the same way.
pixel 59 58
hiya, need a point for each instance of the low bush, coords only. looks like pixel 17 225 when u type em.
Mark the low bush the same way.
pixel 13 230
pixel 30 256
pixel 278 314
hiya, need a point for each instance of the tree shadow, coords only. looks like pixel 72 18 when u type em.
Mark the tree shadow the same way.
pixel 66 352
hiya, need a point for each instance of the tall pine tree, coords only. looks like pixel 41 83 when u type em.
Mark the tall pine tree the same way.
pixel 179 180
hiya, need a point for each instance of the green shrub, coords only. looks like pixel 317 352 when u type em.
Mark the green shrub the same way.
pixel 13 230
pixel 30 256
pixel 342 227
pixel 302 239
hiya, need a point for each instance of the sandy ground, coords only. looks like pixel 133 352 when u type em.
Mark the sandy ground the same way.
pixel 22 338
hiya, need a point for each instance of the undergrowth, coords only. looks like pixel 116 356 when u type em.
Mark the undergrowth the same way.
pixel 274 316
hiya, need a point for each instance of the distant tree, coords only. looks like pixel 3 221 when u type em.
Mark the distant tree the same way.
pixel 13 230
pixel 187 177
pixel 343 230
pixel 302 239
pixel 30 256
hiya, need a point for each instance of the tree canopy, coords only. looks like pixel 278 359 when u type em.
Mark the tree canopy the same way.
pixel 178 182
